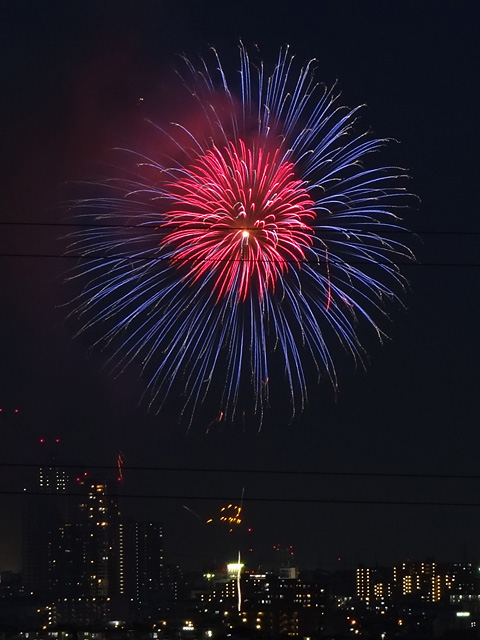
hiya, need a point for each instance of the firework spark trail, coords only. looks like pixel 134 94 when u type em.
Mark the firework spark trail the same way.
pixel 239 582
pixel 262 236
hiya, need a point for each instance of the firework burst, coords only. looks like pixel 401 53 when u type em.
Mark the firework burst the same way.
pixel 233 256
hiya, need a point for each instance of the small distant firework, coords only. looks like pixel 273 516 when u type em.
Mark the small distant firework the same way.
pixel 257 235
pixel 230 514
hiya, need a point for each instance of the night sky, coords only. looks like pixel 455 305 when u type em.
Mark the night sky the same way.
pixel 72 75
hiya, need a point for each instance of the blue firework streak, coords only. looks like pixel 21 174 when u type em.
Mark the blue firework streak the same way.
pixel 229 260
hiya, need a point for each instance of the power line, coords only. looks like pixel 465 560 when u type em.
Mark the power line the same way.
pixel 154 496
pixel 167 259
pixel 361 474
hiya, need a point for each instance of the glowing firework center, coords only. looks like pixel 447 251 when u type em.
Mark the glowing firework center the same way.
pixel 240 215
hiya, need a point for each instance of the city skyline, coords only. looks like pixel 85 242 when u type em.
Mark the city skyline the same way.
pixel 214 528
pixel 342 479
pixel 410 599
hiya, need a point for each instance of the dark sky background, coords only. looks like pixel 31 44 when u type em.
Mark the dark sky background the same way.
pixel 72 74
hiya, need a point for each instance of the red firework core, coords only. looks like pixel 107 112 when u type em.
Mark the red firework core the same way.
pixel 240 219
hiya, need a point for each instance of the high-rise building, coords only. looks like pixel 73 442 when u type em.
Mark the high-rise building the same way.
pixel 374 585
pixel 46 508
pixel 417 580
pixel 149 572
pixel 364 586
pixel 88 557
pixel 144 573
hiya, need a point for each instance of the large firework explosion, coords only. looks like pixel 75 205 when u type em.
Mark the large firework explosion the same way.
pixel 229 260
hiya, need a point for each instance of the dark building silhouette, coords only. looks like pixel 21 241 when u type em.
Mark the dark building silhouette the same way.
pixel 87 557
pixel 46 508
pixel 144 574
pixel 82 560
pixel 149 572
